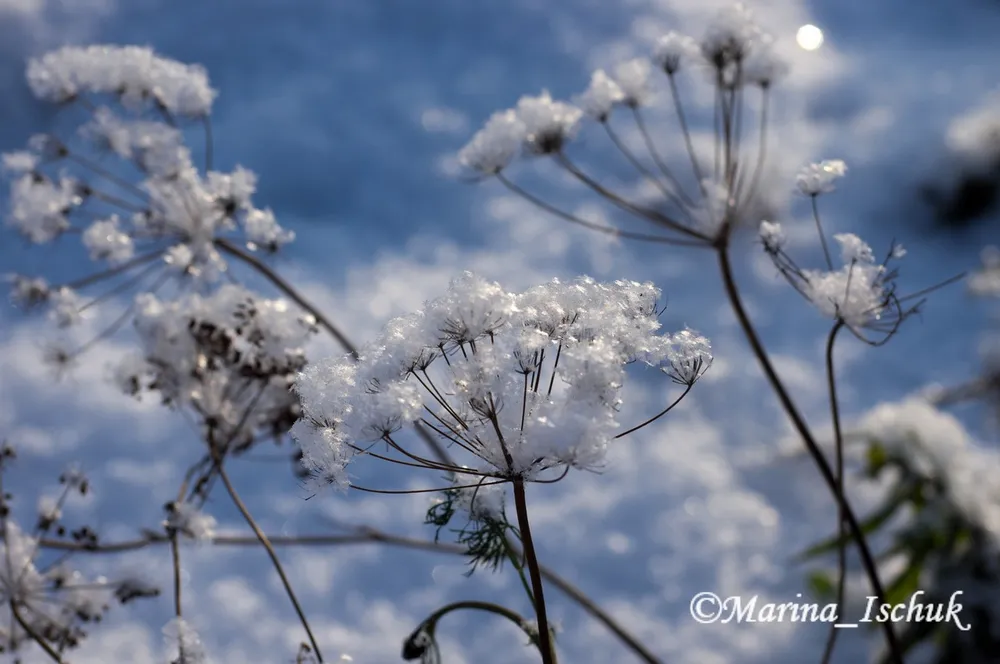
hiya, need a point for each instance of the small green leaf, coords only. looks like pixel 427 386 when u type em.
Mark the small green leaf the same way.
pixel 821 584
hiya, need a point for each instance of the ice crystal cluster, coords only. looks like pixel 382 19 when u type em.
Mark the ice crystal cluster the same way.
pixel 734 47
pixel 861 291
pixel 153 197
pixel 520 383
pixel 231 356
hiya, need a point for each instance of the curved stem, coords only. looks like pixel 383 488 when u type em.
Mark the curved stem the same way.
pixel 262 538
pixel 544 635
pixel 35 636
pixel 838 439
pixel 488 607
pixel 868 561
pixel 658 415
pixel 607 230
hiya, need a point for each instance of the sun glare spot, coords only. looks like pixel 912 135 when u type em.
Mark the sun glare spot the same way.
pixel 809 37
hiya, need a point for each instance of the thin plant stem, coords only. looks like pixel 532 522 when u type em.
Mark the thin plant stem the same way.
pixel 868 561
pixel 367 535
pixel 822 235
pixel 682 120
pixel 658 415
pixel 262 538
pixel 544 636
pixel 838 439
pixel 607 230
pixel 488 607
pixel 35 636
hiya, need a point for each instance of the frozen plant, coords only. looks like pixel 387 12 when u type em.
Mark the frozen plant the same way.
pixel 720 196
pixel 522 386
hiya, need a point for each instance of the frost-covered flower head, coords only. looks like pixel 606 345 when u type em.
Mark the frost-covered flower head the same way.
pixel 548 124
pixel 184 643
pixel 731 37
pixel 229 356
pixel 494 146
pixel 820 178
pixel 517 384
pixel 720 190
pixel 600 97
pixel 189 520
pixel 861 293
pixel 672 50
pixel 151 212
pixel 41 595
pixel 633 80
pixel 136 74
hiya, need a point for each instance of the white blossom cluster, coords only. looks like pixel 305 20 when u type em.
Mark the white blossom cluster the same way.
pixel 135 73
pixel 860 291
pixel 821 177
pixel 230 355
pixel 56 602
pixel 521 382
pixel 167 204
pixel 734 46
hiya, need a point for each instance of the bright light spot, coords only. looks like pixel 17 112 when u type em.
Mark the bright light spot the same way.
pixel 809 37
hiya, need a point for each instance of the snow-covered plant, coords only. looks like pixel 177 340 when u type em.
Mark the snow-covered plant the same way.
pixel 861 293
pixel 43 600
pixel 522 387
pixel 721 194
pixel 126 184
pixel 940 521
pixel 230 357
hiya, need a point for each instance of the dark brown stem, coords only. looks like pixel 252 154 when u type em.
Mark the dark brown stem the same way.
pixel 868 561
pixel 544 635
pixel 838 438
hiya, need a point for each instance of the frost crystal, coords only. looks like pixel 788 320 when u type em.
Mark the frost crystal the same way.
pixel 548 124
pixel 819 178
pixel 135 73
pixel 633 79
pixel 731 36
pixel 772 235
pixel 672 50
pixel 523 382
pixel 185 643
pixel 106 241
pixel 600 97
pixel 854 293
pixel 495 145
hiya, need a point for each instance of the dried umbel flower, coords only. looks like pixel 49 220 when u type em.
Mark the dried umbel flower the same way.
pixel 41 597
pixel 520 383
pixel 230 356
pixel 819 178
